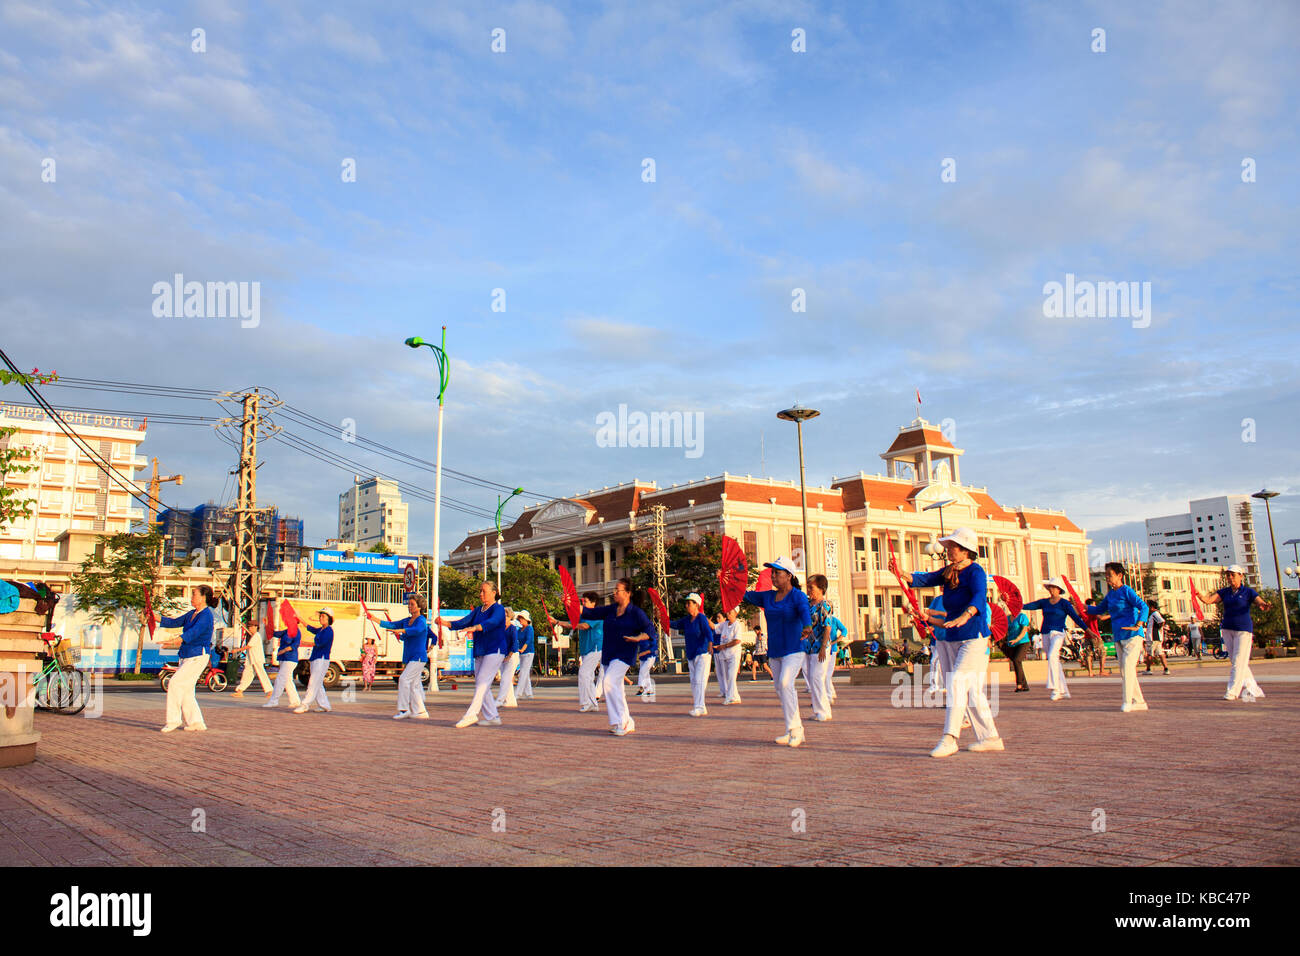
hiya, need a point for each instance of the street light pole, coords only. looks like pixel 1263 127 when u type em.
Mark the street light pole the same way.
pixel 798 414
pixel 1277 568
pixel 444 379
pixel 501 505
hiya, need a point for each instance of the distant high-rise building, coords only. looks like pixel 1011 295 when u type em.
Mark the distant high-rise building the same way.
pixel 1213 531
pixel 371 511
pixel 211 525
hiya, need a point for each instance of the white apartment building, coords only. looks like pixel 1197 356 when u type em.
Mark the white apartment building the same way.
pixel 68 489
pixel 371 511
pixel 1214 531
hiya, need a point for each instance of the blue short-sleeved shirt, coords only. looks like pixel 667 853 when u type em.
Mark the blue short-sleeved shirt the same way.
pixel 1236 608
pixel 786 620
pixel 972 590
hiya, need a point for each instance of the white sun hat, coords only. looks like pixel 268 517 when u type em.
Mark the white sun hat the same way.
pixel 964 537
pixel 785 564
pixel 1236 569
pixel 526 616
pixel 694 596
pixel 327 610
pixel 1055 583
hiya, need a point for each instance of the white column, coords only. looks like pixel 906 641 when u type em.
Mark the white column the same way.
pixel 605 548
pixel 577 564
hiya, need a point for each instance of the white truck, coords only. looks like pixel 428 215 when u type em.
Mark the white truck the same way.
pixel 350 629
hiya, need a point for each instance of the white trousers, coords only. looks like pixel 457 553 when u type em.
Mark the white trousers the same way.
pixel 254 666
pixel 506 696
pixel 525 688
pixel 728 668
pixel 831 655
pixel 181 702
pixel 815 671
pixel 965 668
pixel 485 668
pixel 699 667
pixel 316 685
pixel 615 698
pixel 1054 641
pixel 284 682
pixel 586 682
pixel 600 677
pixel 410 689
pixel 936 668
pixel 785 670
pixel 1240 678
pixel 645 681
pixel 1130 652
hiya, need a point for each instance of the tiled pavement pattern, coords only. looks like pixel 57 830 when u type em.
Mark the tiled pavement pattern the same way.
pixel 1196 780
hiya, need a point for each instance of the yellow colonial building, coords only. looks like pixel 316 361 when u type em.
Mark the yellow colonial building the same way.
pixel 849 523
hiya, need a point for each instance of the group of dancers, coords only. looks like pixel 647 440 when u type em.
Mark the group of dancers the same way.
pixel 802 634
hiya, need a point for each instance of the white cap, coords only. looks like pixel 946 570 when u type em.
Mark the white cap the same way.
pixel 964 537
pixel 1236 569
pixel 1055 583
pixel 526 616
pixel 327 610
pixel 785 564
pixel 693 596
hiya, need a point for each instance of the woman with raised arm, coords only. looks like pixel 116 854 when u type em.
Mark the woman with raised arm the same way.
pixel 487 623
pixel 962 642
pixel 1128 614
pixel 1238 633
pixel 1055 608
pixel 195 645
pixel 414 635
pixel 322 645
pixel 789 624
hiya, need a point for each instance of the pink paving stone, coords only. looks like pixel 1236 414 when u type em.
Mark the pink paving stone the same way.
pixel 354 787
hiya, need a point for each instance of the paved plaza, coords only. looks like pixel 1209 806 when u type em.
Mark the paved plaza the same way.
pixel 1196 780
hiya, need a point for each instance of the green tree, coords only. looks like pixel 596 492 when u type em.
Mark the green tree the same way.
pixel 691 566
pixel 1269 628
pixel 381 548
pixel 110 583
pixel 13 504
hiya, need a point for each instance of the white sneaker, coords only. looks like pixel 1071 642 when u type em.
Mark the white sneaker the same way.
pixel 401 715
pixel 704 712
pixel 1125 708
pixel 796 738
pixel 271 704
pixel 1056 696
pixel 986 746
pixel 693 712
pixel 1140 705
pixel 421 716
pixel 624 730
pixel 784 739
pixel 466 722
pixel 945 747
pixel 1229 697
pixel 734 700
pixel 491 721
pixel 585 708
pixel 301 709
pixel 170 727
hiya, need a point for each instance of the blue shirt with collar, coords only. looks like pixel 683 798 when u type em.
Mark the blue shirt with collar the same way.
pixel 1236 608
pixel 287 651
pixel 1018 629
pixel 589 641
pixel 786 620
pixel 1054 615
pixel 972 591
pixel 698 633
pixel 196 631
pixel 1126 609
pixel 492 639
pixel 415 637
pixel 512 639
pixel 618 627
pixel 527 636
pixel 324 641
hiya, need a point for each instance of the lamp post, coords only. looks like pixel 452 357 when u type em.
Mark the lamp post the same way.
pixel 1264 494
pixel 938 548
pixel 501 505
pixel 444 379
pixel 798 414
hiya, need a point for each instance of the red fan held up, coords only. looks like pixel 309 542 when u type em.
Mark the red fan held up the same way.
pixel 572 604
pixel 733 574
pixel 660 608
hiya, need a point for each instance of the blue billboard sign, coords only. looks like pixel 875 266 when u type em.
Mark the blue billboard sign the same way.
pixel 364 561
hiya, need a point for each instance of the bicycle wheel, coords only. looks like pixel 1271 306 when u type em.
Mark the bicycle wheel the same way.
pixel 67 691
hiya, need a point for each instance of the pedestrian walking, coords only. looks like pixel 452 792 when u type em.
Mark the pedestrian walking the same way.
pixel 1055 609
pixel 319 662
pixel 413 632
pixel 758 657
pixel 1154 644
pixel 1238 632
pixel 789 623
pixel 1128 613
pixel 195 644
pixel 1194 643
pixel 254 662
pixel 369 654
pixel 962 642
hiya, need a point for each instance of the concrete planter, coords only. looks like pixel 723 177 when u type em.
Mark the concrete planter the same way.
pixel 20 643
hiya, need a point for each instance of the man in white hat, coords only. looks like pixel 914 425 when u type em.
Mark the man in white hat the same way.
pixel 322 644
pixel 527 651
pixel 1055 608
pixel 697 630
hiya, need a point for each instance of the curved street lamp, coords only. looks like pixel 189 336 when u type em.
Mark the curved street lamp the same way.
pixel 798 414
pixel 1265 495
pixel 501 558
pixel 444 379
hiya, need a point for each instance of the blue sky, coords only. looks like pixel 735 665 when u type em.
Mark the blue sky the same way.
pixel 775 170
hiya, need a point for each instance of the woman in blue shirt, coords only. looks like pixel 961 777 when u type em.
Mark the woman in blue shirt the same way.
pixel 527 651
pixel 625 627
pixel 486 625
pixel 698 633
pixel 1016 645
pixel 509 663
pixel 817 649
pixel 1128 613
pixel 789 624
pixel 286 656
pixel 1055 608
pixel 322 644
pixel 962 641
pixel 1238 632
pixel 414 635
pixel 194 643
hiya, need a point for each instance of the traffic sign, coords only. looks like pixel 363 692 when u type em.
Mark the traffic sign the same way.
pixel 408 577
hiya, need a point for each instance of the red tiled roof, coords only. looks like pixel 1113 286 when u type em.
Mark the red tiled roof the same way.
pixel 916 437
pixel 1031 519
pixel 988 506
pixel 880 492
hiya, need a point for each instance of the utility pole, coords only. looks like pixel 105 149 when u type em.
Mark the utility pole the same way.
pixel 154 482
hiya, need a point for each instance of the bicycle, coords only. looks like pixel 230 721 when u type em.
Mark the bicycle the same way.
pixel 60 686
